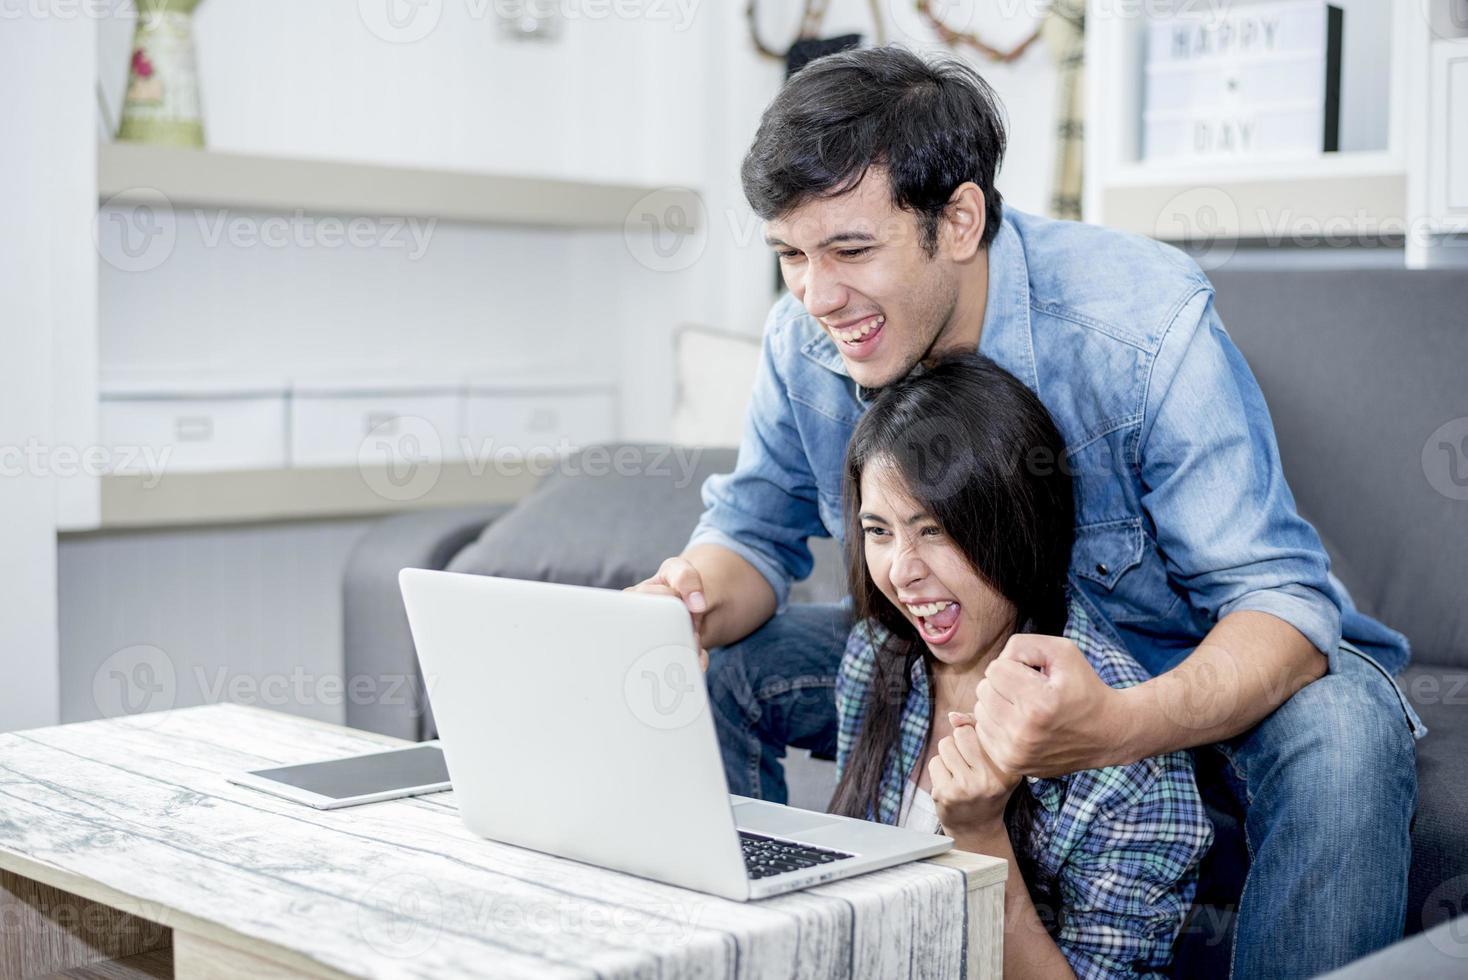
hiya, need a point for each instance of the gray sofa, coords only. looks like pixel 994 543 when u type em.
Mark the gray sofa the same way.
pixel 1362 370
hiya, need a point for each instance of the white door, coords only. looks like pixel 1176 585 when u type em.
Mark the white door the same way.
pixel 47 64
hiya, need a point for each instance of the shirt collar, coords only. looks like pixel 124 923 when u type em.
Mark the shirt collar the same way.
pixel 1006 335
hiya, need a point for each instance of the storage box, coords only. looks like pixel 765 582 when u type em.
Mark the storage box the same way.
pixel 538 421
pixel 193 425
pixel 345 423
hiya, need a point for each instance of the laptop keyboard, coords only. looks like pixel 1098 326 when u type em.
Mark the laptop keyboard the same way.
pixel 766 856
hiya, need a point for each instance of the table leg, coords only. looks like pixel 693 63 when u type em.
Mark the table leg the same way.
pixel 985 877
pixel 45 930
pixel 197 957
pixel 986 932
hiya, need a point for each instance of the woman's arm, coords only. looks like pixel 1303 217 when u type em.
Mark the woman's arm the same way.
pixel 1139 833
pixel 970 794
pixel 1133 837
pixel 1028 949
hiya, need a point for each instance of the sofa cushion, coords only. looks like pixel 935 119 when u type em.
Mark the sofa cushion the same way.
pixel 1440 830
pixel 607 516
pixel 1439 876
pixel 1442 952
pixel 1363 373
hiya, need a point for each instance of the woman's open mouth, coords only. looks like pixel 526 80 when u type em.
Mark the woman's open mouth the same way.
pixel 937 621
pixel 860 338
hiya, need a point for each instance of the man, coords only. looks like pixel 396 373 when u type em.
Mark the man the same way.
pixel 874 173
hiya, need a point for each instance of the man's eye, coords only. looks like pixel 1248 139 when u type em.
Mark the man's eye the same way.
pixel 787 253
pixel 854 253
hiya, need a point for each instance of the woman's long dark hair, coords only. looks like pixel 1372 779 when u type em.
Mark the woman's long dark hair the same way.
pixel 980 453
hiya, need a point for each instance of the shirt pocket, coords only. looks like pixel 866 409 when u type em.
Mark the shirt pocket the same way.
pixel 1126 576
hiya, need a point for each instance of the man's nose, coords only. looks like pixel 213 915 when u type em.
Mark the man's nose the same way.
pixel 823 293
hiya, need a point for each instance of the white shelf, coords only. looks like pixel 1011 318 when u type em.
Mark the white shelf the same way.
pixel 209 179
pixel 1321 165
pixel 1372 193
pixel 206 178
pixel 242 496
pixel 1361 194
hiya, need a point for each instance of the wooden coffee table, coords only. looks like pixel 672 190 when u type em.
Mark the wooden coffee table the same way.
pixel 125 853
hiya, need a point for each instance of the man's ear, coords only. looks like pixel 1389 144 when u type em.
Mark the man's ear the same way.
pixel 961 232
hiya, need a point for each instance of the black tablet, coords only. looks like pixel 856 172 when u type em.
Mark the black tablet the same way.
pixel 370 778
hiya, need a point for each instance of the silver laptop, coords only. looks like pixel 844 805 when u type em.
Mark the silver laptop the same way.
pixel 575 721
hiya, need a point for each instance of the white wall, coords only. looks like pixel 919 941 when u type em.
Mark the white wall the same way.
pixel 45 256
pixel 671 98
pixel 613 99
pixel 1026 87
pixel 660 103
pixel 459 298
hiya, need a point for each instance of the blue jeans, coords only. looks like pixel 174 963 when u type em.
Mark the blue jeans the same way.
pixel 1328 786
pixel 774 688
pixel 1328 783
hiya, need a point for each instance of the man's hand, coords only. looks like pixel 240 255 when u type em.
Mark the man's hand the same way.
pixel 969 789
pixel 677 577
pixel 727 597
pixel 1044 712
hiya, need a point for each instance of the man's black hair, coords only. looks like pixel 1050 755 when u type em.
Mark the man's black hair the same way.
pixel 931 125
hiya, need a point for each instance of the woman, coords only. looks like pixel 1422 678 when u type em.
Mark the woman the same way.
pixel 959 535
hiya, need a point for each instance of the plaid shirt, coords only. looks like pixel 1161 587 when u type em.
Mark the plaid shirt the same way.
pixel 1118 847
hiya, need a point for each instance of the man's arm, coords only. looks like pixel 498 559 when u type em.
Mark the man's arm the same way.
pixel 1045 712
pixel 1249 664
pixel 1226 522
pixel 750 543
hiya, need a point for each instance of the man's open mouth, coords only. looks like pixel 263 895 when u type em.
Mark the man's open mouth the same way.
pixel 860 332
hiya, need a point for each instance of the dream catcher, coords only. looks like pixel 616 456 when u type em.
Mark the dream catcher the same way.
pixel 1062 28
pixel 808 44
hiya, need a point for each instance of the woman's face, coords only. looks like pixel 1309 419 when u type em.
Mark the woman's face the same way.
pixel 923 573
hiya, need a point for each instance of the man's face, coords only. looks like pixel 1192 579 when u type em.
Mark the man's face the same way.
pixel 858 264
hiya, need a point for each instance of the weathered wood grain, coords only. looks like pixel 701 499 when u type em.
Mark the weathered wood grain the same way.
pixel 153 965
pixel 138 809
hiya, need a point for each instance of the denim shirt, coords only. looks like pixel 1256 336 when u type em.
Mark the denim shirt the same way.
pixel 1182 511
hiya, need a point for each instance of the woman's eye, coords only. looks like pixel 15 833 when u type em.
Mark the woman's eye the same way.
pixel 873 531
pixel 932 531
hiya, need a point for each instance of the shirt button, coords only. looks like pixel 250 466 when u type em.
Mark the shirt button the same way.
pixel 1101 569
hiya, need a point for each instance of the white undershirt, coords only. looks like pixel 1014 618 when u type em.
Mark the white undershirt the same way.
pixel 918 812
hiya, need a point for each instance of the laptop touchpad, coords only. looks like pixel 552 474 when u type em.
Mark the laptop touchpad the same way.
pixel 772 819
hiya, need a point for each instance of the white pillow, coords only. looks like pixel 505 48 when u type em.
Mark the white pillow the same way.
pixel 715 374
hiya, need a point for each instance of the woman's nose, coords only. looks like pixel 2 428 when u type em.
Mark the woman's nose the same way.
pixel 907 568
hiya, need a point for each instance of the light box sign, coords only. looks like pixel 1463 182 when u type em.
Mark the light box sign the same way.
pixel 1256 80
